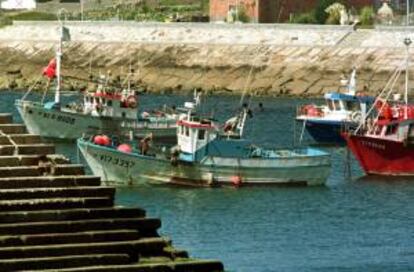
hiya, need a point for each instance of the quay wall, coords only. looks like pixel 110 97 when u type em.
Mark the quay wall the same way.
pixel 267 59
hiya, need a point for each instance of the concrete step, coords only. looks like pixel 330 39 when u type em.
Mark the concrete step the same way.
pixel 49 181
pixel 69 238
pixel 13 128
pixel 145 226
pixel 60 262
pixel 20 139
pixel 6 118
pixel 134 248
pixel 27 149
pixel 55 203
pixel 152 266
pixel 15 194
pixel 34 170
pixel 72 214
pixel 26 160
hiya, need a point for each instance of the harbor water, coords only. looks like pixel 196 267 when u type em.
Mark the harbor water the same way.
pixel 354 223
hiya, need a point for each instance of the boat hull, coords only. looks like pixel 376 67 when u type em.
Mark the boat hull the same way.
pixel 382 156
pixel 54 123
pixel 133 169
pixel 326 131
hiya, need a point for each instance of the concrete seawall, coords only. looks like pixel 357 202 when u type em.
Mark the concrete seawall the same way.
pixel 266 59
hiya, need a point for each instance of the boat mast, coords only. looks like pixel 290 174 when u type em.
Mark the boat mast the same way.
pixel 352 82
pixel 407 42
pixel 59 54
pixel 58 64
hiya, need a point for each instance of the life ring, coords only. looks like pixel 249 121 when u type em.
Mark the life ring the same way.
pixel 131 102
pixel 356 116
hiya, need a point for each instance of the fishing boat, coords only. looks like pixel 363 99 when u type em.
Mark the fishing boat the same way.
pixel 344 109
pixel 105 109
pixel 384 143
pixel 206 154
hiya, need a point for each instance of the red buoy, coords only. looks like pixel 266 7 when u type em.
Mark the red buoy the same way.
pixel 98 140
pixel 106 141
pixel 126 148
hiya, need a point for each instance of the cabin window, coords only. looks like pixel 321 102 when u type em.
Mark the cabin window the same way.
pixel 186 131
pixel 109 103
pixel 391 129
pixel 352 106
pixel 201 134
pixel 411 131
pixel 378 130
pixel 330 104
pixel 337 104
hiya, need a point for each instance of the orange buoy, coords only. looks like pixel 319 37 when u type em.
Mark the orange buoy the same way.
pixel 126 148
pixel 236 181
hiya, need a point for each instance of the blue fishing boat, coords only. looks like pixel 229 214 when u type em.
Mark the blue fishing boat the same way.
pixel 206 154
pixel 342 110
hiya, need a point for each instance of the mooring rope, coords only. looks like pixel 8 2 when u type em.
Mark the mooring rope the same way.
pixel 16 147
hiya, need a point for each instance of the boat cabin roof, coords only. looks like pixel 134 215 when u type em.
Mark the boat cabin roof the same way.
pixel 348 97
pixel 110 96
pixel 197 123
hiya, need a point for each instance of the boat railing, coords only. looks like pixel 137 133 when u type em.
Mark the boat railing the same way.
pixel 143 123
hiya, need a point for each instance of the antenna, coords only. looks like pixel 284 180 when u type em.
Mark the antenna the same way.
pixel 407 42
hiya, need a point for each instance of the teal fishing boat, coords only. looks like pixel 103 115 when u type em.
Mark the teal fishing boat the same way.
pixel 206 154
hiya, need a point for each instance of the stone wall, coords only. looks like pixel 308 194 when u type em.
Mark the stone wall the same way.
pixel 294 60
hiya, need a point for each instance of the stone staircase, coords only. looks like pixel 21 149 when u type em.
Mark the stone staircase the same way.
pixel 64 220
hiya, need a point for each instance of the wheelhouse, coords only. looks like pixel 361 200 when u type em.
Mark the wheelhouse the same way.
pixel 111 105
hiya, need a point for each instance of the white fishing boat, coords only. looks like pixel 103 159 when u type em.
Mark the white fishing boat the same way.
pixel 105 109
pixel 205 155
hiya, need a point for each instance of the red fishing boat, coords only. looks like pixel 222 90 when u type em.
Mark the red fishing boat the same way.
pixel 384 143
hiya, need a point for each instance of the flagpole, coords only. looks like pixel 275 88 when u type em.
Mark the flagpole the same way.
pixel 58 65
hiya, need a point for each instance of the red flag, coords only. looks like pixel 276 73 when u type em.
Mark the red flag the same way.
pixel 50 69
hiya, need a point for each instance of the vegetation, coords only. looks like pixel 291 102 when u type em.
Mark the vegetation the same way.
pixel 367 15
pixel 334 13
pixel 305 18
pixel 242 15
pixel 33 16
pixel 137 10
pixel 320 15
pixel 4 20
